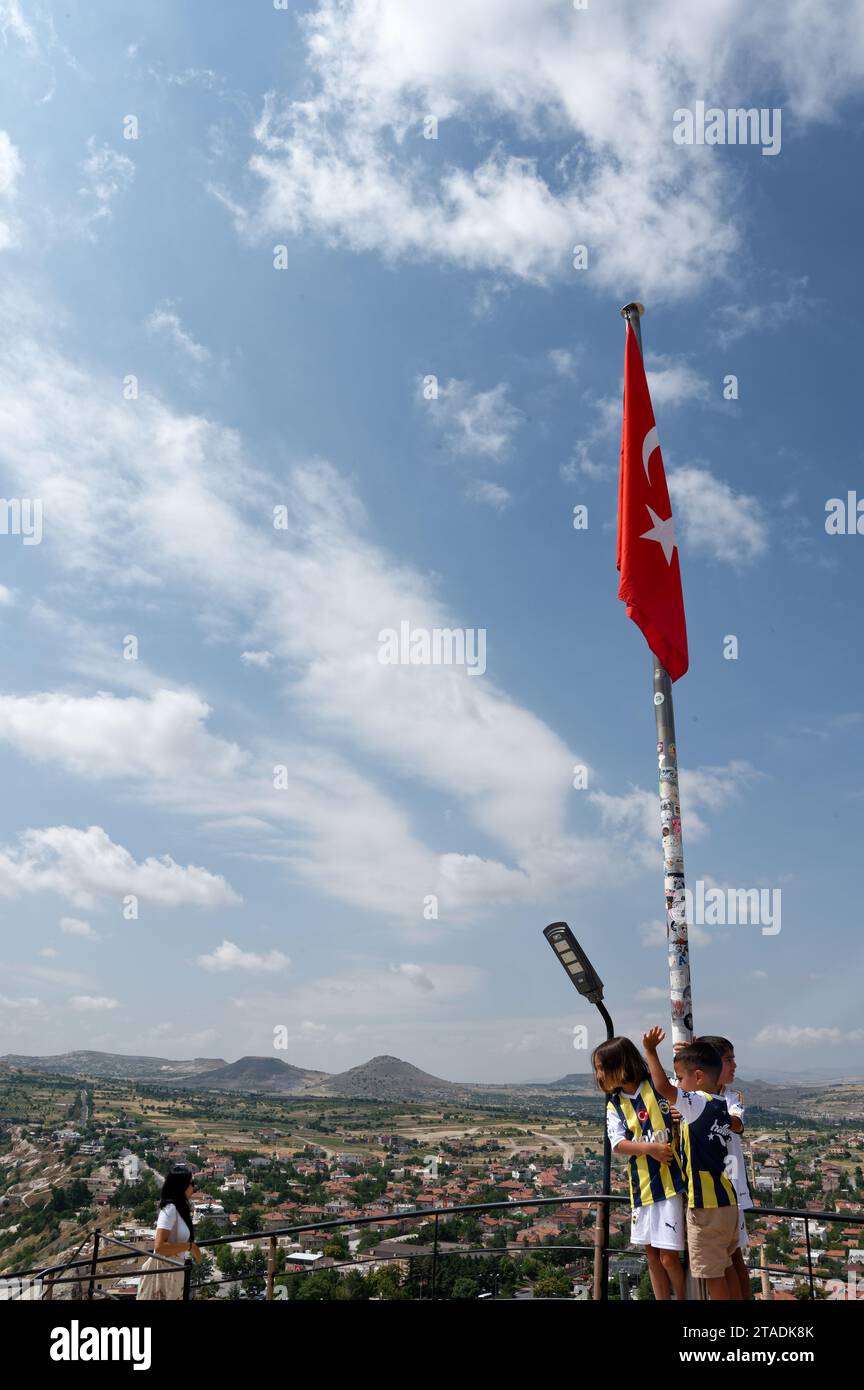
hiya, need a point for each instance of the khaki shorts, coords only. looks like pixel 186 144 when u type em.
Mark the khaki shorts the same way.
pixel 712 1239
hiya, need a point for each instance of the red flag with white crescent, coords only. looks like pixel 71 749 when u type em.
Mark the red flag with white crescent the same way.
pixel 647 550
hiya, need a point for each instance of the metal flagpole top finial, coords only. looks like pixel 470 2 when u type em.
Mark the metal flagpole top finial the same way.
pixel 634 308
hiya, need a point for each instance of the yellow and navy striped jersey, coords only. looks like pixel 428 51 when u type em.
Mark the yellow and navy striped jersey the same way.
pixel 705 1142
pixel 643 1117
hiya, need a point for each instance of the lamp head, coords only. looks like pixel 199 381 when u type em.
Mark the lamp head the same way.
pixel 574 960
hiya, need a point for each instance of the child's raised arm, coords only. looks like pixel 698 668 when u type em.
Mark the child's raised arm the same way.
pixel 651 1041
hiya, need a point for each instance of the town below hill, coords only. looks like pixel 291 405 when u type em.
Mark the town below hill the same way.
pixel 82 1149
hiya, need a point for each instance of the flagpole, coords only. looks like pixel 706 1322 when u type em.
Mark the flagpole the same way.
pixel 677 943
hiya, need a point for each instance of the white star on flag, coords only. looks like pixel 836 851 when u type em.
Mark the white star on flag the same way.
pixel 662 531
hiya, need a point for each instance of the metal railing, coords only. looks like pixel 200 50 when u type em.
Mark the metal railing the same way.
pixel 94 1262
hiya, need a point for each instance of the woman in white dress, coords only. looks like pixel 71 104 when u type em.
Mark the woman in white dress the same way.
pixel 175 1232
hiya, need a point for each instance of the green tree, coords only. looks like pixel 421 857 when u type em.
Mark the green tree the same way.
pixel 465 1287
pixel 387 1282
pixel 555 1284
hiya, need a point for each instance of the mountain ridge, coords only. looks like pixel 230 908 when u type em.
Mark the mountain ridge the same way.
pixel 383 1077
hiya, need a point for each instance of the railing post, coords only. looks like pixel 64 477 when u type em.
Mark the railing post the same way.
pixel 435 1261
pixel 187 1280
pixel 809 1257
pixel 599 1290
pixel 271 1268
pixel 93 1264
pixel 764 1276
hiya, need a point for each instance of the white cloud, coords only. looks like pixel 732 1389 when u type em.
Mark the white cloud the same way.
pixel 261 659
pixel 10 165
pixel 48 952
pixel 486 296
pixel 796 1035
pixel 196 77
pixel 415 973
pixel 85 864
pixel 93 1003
pixel 491 494
pixel 52 976
pixel 107 173
pixel 736 320
pixel 347 159
pixel 10 168
pixel 635 815
pixel 74 926
pixel 24 1002
pixel 564 361
pixel 727 526
pixel 229 957
pixel 673 382
pixel 168 1037
pixel 202 522
pixel 318 594
pixel 331 162
pixel 474 422
pixel 528 1041
pixel 7 597
pixel 106 736
pixel 165 320
pixel 14 21
pixel 365 993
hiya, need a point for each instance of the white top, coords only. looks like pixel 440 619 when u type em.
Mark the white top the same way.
pixel 170 1220
pixel 735 1106
pixel 690 1104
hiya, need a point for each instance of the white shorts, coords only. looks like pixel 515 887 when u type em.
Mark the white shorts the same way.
pixel 743 1238
pixel 661 1224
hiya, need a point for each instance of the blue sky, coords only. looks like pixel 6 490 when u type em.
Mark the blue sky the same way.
pixel 301 388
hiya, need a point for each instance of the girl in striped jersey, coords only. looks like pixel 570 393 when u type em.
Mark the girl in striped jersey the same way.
pixel 640 1130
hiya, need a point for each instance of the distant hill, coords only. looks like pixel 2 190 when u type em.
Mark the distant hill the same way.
pixel 574 1081
pixel 116 1065
pixel 389 1078
pixel 264 1074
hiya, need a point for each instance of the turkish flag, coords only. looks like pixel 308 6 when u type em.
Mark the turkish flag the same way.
pixel 647 551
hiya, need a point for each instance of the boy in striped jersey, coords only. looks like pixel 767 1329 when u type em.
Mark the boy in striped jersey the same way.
pixel 712 1203
pixel 640 1130
pixel 738 1173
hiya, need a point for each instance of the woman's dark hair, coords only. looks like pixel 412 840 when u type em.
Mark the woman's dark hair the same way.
pixel 174 1190
pixel 620 1060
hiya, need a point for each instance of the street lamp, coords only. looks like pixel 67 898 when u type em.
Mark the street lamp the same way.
pixel 575 962
pixel 585 979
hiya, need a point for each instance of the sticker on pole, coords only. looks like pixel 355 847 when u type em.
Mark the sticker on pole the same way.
pixel 659 697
